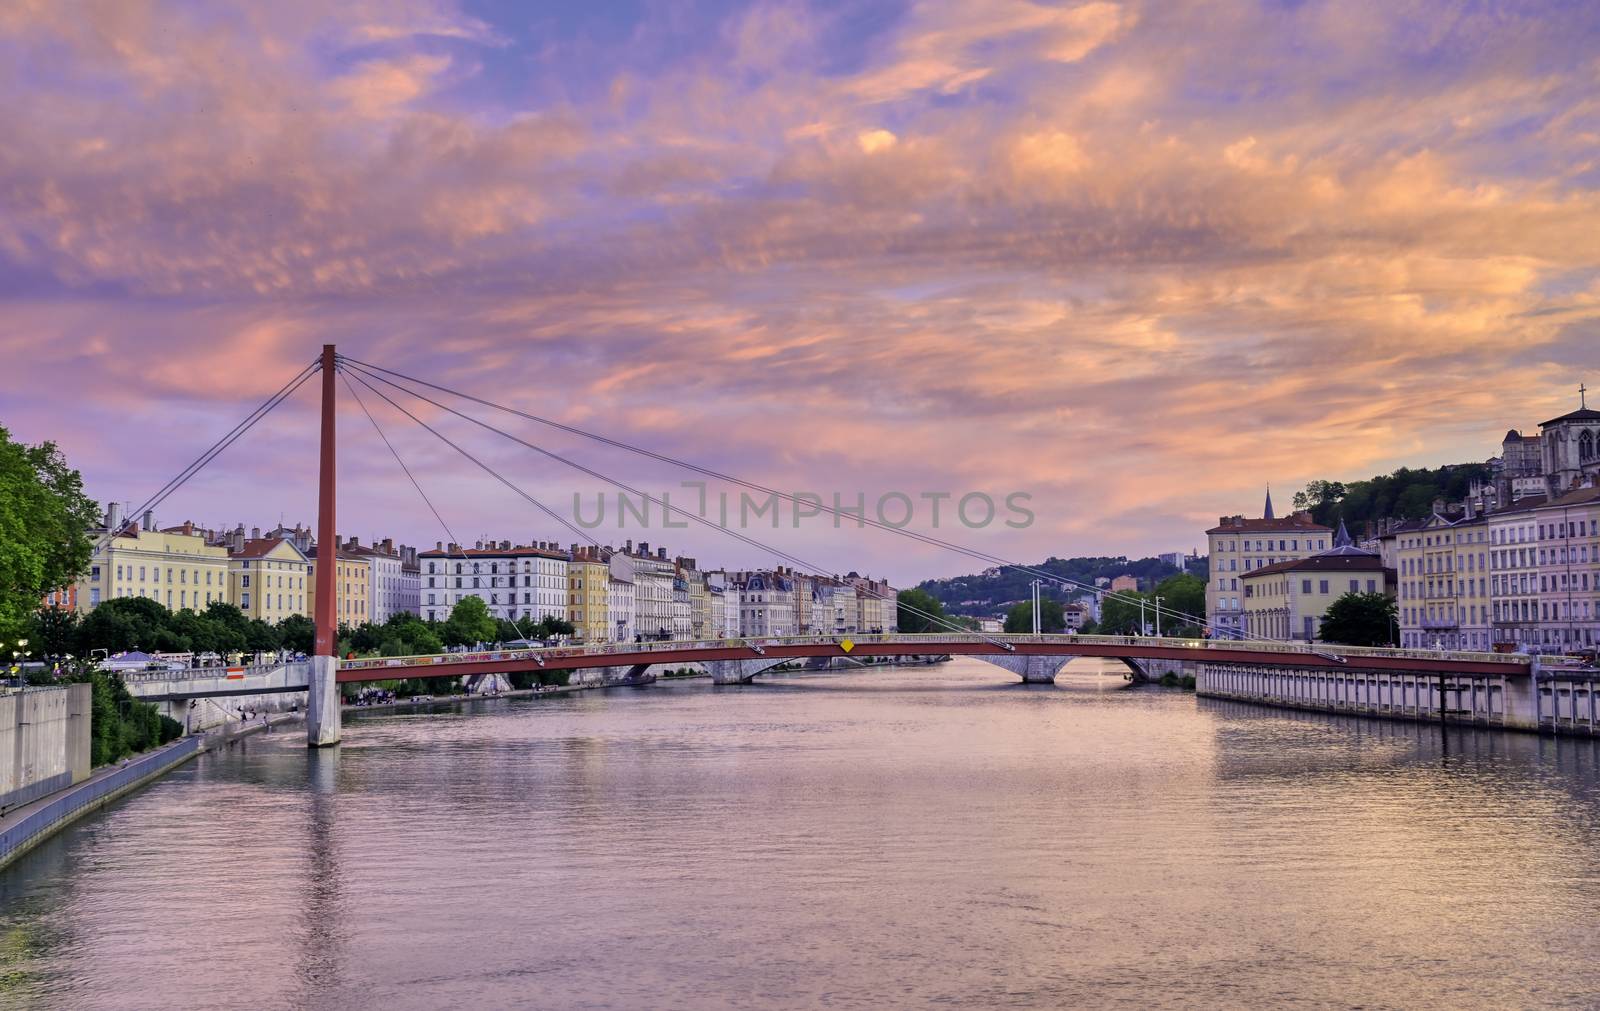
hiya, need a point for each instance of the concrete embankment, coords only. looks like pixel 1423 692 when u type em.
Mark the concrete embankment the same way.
pixel 1508 703
pixel 25 827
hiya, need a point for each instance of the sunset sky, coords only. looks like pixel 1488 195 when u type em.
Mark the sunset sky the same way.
pixel 1137 260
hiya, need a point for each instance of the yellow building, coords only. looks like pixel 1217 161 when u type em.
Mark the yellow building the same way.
pixel 1445 599
pixel 269 578
pixel 175 567
pixel 1288 599
pixel 588 580
pixel 352 583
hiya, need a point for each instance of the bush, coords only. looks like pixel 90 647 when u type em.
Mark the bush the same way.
pixel 120 724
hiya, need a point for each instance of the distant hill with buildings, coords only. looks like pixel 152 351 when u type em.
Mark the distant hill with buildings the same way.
pixel 1408 493
pixel 993 590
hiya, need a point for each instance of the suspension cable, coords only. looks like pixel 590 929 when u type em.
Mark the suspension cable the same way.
pixel 756 486
pixel 361 377
pixel 426 500
pixel 212 452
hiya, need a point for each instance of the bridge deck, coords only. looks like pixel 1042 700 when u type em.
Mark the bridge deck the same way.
pixel 892 645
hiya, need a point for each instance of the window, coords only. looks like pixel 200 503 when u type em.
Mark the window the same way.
pixel 1323 586
pixel 244 581
pixel 1305 587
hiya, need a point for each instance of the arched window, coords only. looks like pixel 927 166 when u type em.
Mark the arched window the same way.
pixel 1585 446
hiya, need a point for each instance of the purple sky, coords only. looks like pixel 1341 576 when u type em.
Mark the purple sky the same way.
pixel 1136 260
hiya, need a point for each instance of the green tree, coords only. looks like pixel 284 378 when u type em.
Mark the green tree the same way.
pixel 125 623
pixel 1182 594
pixel 1360 619
pixel 551 627
pixel 298 633
pixel 1120 614
pixel 469 623
pixel 1019 620
pixel 53 632
pixel 913 601
pixel 45 520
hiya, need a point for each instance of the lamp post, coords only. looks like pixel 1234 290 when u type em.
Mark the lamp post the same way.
pixel 1036 622
pixel 1158 616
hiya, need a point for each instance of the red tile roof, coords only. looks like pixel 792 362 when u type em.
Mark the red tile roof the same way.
pixel 1288 524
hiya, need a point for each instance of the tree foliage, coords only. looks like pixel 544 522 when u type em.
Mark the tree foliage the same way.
pixel 916 600
pixel 45 520
pixel 1052 617
pixel 1408 493
pixel 1360 619
pixel 1183 602
pixel 469 624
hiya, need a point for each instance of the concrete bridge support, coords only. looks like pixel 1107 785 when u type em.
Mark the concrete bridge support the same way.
pixel 1042 670
pixel 738 672
pixel 322 703
pixel 620 674
pixel 1033 670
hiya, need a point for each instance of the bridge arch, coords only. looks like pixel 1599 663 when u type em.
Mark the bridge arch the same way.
pixel 1044 669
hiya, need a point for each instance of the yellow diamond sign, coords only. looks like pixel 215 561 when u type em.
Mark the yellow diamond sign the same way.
pixel 847 645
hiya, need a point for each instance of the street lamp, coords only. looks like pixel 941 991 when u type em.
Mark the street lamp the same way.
pixel 1158 616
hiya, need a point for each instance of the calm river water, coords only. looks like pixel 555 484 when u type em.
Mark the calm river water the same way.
pixel 890 838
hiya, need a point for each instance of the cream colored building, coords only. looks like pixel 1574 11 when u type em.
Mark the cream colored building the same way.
pixel 269 578
pixel 1444 587
pixel 174 567
pixel 1514 575
pixel 352 587
pixel 1288 599
pixel 1240 546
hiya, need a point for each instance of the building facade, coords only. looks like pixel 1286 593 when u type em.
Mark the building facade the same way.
pixel 352 584
pixel 175 567
pixel 1444 585
pixel 269 579
pixel 1239 546
pixel 1514 576
pixel 522 583
pixel 1289 599
pixel 1568 529
pixel 588 607
pixel 766 604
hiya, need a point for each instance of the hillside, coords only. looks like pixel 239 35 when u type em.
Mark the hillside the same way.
pixel 990 593
pixel 1408 493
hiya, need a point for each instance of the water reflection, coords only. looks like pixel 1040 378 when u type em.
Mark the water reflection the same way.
pixel 861 839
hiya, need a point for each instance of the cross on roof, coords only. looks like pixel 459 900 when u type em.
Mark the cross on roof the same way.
pixel 1582 400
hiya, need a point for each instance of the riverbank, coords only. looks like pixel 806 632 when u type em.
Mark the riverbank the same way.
pixel 32 823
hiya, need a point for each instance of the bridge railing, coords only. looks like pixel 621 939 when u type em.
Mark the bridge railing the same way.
pixel 932 639
pixel 135 677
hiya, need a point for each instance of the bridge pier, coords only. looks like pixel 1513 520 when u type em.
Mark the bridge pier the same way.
pixel 323 720
pixel 737 672
pixel 1032 669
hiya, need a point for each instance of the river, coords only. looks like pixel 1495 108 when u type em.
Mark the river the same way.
pixel 897 837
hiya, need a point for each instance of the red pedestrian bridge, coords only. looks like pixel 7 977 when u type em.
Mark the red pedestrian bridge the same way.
pixel 1033 658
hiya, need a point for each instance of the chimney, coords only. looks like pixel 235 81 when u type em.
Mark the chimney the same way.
pixel 255 533
pixel 627 547
pixel 149 519
pixel 388 545
pixel 113 516
pixel 661 553
pixel 438 545
pixel 644 548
